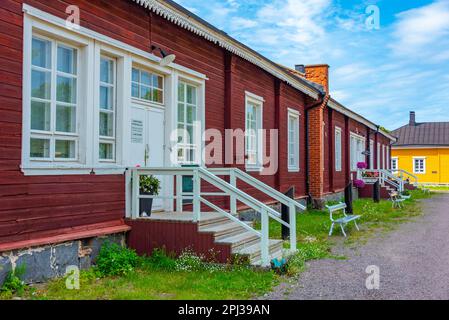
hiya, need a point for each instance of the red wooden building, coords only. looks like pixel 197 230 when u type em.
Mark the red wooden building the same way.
pixel 82 105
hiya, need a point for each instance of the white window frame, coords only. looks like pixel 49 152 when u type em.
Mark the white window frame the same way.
pixel 195 144
pixel 424 160
pixel 371 156
pixel 151 72
pixel 384 157
pixel 91 45
pixel 293 115
pixel 256 101
pixel 357 147
pixel 395 164
pixel 379 155
pixel 338 149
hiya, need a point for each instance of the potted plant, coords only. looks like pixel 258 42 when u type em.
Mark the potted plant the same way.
pixel 149 186
pixel 359 183
pixel 370 176
pixel 361 165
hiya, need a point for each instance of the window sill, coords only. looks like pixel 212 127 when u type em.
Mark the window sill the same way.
pixel 293 170
pixel 74 169
pixel 253 169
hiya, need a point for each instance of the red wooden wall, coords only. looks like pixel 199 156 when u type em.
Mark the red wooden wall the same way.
pixel 36 206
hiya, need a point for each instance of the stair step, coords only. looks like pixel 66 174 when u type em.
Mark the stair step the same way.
pixel 240 240
pixel 224 229
pixel 275 255
pixel 254 253
pixel 212 220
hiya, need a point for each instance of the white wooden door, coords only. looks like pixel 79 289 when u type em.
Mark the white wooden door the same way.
pixel 147 141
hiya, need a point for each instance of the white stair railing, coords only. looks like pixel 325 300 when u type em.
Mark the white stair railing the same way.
pixel 236 174
pixel 404 175
pixel 201 174
pixel 390 178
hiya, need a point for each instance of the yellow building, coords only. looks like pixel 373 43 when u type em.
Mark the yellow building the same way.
pixel 423 150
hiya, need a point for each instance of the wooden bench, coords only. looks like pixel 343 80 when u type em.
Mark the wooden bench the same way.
pixel 396 200
pixel 343 221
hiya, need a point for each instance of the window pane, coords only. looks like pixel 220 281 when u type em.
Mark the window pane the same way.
pixel 189 134
pixel 66 60
pixel 66 90
pixel 135 90
pixel 157 81
pixel 65 119
pixel 181 92
pixel 136 75
pixel 41 53
pixel 191 114
pixel 106 151
pixel 40 84
pixel 64 149
pixel 145 93
pixel 180 112
pixel 191 95
pixel 39 148
pixel 157 95
pixel 106 71
pixel 145 78
pixel 40 116
pixel 106 124
pixel 106 98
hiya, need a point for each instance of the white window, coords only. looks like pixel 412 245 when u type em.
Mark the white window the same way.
pixel 253 131
pixel 384 157
pixel 379 155
pixel 419 165
pixel 357 150
pixel 394 164
pixel 107 109
pixel 338 155
pixel 293 140
pixel 186 119
pixel 371 157
pixel 147 86
pixel 54 101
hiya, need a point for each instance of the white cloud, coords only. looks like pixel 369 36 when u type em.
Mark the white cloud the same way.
pixel 242 23
pixel 421 27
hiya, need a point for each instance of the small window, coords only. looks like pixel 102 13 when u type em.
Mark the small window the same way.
pixel 419 165
pixel 147 86
pixel 293 140
pixel 394 164
pixel 338 155
pixel 253 132
pixel 379 155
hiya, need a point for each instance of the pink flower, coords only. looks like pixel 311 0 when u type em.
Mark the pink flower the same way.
pixel 361 165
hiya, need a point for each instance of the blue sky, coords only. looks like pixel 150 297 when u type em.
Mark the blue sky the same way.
pixel 381 74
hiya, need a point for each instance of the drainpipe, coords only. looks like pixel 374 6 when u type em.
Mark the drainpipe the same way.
pixel 321 101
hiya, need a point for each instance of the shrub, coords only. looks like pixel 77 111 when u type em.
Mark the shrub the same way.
pixel 114 260
pixel 13 283
pixel 150 185
pixel 161 260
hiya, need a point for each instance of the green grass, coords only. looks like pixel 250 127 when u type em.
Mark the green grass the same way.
pixel 158 278
pixel 438 188
pixel 153 280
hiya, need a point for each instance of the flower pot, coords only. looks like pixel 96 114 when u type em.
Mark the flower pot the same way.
pixel 145 205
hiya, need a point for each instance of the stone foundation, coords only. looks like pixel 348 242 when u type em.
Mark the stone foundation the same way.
pixel 50 261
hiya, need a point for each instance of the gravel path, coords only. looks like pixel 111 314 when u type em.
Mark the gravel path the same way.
pixel 413 261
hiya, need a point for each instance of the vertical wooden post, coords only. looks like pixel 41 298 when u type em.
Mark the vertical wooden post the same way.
pixel 233 182
pixel 179 198
pixel 135 195
pixel 292 223
pixel 196 196
pixel 264 243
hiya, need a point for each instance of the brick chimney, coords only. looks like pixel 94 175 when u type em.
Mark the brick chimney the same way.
pixel 412 118
pixel 318 73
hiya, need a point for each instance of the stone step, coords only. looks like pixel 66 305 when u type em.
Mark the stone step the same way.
pixel 212 220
